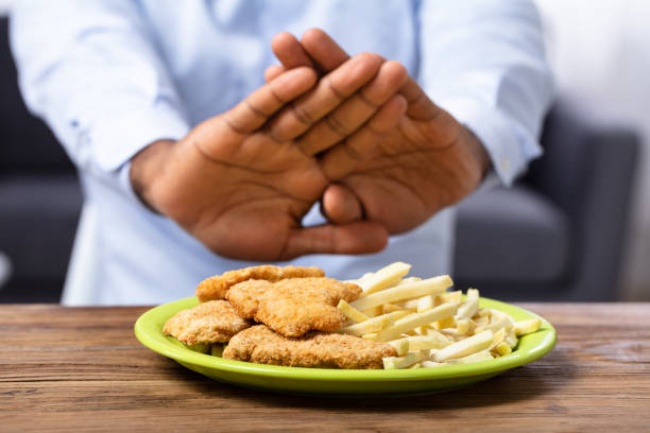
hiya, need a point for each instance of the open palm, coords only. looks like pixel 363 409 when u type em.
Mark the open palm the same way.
pixel 427 163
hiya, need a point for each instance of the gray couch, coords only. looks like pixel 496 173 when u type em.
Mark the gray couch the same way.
pixel 556 235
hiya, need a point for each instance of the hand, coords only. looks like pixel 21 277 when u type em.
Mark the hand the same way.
pixel 241 182
pixel 428 162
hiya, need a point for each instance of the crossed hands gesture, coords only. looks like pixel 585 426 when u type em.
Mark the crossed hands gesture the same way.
pixel 355 134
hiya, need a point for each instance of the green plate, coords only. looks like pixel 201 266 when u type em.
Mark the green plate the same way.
pixel 333 382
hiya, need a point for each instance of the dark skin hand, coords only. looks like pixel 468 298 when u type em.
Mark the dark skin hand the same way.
pixel 241 182
pixel 428 162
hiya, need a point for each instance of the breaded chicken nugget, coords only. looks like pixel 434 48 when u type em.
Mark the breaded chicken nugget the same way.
pixel 245 296
pixel 295 306
pixel 207 323
pixel 215 287
pixel 261 345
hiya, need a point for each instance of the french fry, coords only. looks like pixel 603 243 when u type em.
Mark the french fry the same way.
pixel 421 342
pixel 374 324
pixel 425 303
pixel 455 296
pixel 414 320
pixel 385 277
pixel 524 327
pixel 502 349
pixel 389 308
pixel 350 312
pixel 499 337
pixel 430 364
pixel 474 357
pixel 463 326
pixel 497 322
pixel 402 346
pixel 429 286
pixel 463 348
pixel 445 323
pixel 469 307
pixel 406 361
pixel 512 340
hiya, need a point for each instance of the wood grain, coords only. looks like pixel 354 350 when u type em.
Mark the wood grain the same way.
pixel 81 369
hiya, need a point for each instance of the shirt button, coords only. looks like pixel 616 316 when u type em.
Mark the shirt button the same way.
pixel 505 164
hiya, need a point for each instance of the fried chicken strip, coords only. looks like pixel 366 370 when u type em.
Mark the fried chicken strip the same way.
pixel 208 323
pixel 261 345
pixel 245 296
pixel 215 287
pixel 295 306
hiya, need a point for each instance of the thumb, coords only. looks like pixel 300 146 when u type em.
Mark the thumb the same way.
pixel 340 205
pixel 361 237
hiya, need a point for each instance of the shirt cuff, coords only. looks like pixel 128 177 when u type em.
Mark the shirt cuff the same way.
pixel 116 140
pixel 508 144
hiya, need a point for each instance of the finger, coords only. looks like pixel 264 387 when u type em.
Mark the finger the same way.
pixel 323 50
pixel 273 72
pixel 355 112
pixel 255 110
pixel 364 144
pixel 361 237
pixel 290 52
pixel 340 205
pixel 330 92
pixel 420 106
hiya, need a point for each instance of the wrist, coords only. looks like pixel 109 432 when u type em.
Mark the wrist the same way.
pixel 480 154
pixel 146 167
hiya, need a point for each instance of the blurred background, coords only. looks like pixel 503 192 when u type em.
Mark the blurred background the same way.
pixel 600 53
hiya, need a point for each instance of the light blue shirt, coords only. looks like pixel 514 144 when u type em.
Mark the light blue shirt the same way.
pixel 112 76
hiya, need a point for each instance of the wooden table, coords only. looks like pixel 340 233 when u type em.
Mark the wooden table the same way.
pixel 81 369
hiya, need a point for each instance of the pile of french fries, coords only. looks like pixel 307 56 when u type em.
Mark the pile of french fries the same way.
pixel 428 324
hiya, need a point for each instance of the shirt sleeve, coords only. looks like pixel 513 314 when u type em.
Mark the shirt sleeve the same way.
pixel 92 71
pixel 484 62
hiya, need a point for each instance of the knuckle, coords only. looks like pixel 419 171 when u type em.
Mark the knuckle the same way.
pixel 335 91
pixel 302 115
pixel 336 126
